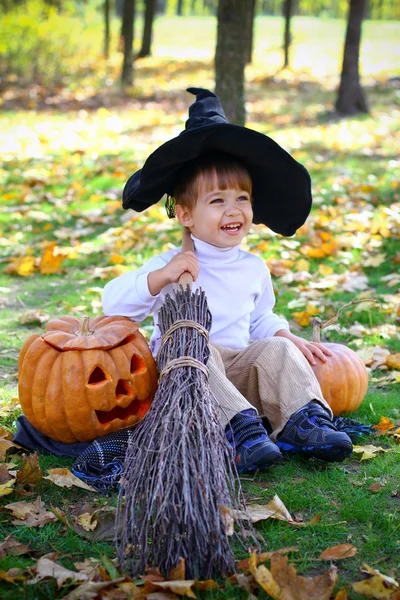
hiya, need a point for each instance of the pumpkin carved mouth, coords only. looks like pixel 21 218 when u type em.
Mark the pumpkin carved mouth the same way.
pixel 118 412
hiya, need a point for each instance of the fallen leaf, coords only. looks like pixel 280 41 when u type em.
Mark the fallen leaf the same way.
pixel 30 472
pixel 227 519
pixel 244 565
pixel 64 478
pixel 85 521
pixel 204 586
pixel 375 488
pixel 48 568
pixel 5 442
pixel 384 425
pixel 377 586
pixel 182 588
pixel 12 547
pixel 338 552
pixel 275 509
pixel 393 361
pixel 33 317
pixel 23 266
pixel 31 514
pixel 368 451
pixel 342 594
pixel 7 487
pixel 178 573
pixel 12 575
pixel 50 261
pixel 90 590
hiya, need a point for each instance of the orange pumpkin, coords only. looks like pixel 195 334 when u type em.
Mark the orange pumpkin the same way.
pixel 84 379
pixel 343 377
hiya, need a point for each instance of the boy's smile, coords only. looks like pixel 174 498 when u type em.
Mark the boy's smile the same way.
pixel 220 217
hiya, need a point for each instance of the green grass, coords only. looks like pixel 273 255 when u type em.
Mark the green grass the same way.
pixel 62 170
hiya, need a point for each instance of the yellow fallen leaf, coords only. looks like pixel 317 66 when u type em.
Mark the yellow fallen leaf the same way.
pixel 338 552
pixel 368 451
pixel 7 487
pixel 377 586
pixel 325 270
pixel 302 265
pixel 50 262
pixel 64 478
pixel 116 259
pixel 85 521
pixel 265 580
pixel 393 361
pixel 23 266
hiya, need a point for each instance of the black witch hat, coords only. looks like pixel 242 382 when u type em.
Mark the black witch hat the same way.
pixel 281 186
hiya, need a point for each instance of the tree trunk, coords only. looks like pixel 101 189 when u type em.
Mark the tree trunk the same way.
pixel 148 28
pixel 351 99
pixel 288 6
pixel 230 58
pixel 106 28
pixel 179 8
pixel 161 7
pixel 251 13
pixel 127 30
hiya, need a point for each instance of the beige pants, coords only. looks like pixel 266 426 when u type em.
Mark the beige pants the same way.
pixel 271 375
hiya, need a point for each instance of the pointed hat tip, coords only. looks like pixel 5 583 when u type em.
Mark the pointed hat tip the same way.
pixel 200 92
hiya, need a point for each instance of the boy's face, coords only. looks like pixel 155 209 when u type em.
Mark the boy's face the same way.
pixel 220 217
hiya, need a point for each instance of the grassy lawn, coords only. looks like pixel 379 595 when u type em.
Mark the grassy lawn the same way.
pixel 62 168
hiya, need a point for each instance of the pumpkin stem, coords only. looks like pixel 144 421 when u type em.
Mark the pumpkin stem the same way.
pixel 84 328
pixel 318 324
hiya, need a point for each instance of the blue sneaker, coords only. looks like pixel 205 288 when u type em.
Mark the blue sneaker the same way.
pixel 247 436
pixel 311 432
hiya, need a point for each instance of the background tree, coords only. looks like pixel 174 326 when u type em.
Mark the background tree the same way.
pixel 231 56
pixel 179 8
pixel 149 14
pixel 106 8
pixel 127 31
pixel 351 99
pixel 251 13
pixel 288 8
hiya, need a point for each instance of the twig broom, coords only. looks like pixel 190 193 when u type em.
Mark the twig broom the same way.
pixel 180 483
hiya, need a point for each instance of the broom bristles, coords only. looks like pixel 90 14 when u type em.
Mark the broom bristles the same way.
pixel 179 479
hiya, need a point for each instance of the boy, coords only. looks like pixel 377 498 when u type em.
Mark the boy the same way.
pixel 214 172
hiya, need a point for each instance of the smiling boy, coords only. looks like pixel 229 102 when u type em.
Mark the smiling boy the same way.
pixel 257 365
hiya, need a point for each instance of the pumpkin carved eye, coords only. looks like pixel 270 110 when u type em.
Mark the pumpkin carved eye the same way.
pixel 97 376
pixel 137 364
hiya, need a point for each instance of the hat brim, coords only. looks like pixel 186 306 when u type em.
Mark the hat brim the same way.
pixel 281 186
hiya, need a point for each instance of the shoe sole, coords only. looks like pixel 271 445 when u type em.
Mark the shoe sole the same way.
pixel 262 466
pixel 327 453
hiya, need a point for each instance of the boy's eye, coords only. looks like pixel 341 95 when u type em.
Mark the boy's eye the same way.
pixel 244 198
pixel 215 200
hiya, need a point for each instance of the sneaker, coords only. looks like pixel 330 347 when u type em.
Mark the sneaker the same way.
pixel 310 431
pixel 247 436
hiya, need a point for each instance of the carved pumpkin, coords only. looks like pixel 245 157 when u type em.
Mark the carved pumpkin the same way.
pixel 84 379
pixel 343 377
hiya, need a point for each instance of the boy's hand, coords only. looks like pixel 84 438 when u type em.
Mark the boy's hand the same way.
pixel 311 350
pixel 179 264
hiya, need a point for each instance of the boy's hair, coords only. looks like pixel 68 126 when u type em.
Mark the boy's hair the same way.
pixel 227 171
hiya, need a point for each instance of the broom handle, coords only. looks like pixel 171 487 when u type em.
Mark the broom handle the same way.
pixel 187 245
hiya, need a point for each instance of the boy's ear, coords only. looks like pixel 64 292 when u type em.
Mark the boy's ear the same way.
pixel 183 215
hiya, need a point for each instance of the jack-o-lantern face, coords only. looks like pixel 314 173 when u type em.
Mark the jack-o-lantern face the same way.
pixel 79 381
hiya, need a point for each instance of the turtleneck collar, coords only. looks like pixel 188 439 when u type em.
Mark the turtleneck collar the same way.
pixel 207 253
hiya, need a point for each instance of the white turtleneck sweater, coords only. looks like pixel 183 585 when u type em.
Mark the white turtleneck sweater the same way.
pixel 237 285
